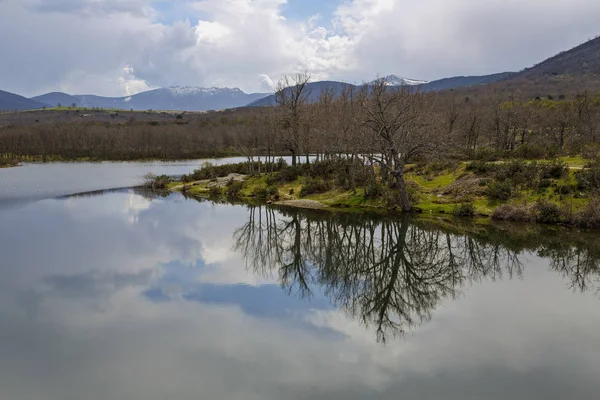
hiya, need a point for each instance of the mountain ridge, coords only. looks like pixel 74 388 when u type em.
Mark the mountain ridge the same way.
pixel 11 101
pixel 177 98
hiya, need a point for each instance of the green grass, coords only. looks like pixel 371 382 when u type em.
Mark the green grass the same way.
pixel 430 186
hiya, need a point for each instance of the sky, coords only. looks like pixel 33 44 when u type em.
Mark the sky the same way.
pixel 122 47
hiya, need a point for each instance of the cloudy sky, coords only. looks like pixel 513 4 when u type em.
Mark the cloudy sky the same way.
pixel 120 47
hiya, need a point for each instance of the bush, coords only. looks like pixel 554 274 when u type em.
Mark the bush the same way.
pixel 289 174
pixel 234 188
pixel 555 170
pixel 314 186
pixel 544 184
pixel 156 182
pixel 590 216
pixel 513 212
pixel 488 154
pixel 464 210
pixel 215 191
pixel 437 167
pixel 500 190
pixel 548 212
pixel 481 167
pixel 589 179
pixel 564 189
pixel 8 161
pixel 266 192
pixel 518 172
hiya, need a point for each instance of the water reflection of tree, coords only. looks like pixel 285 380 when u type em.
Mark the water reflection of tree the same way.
pixel 392 272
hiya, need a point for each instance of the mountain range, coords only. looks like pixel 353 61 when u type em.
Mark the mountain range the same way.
pixel 186 98
pixel 11 101
pixel 316 88
pixel 568 72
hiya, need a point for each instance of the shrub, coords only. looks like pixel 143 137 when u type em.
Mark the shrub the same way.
pixel 589 178
pixel 518 172
pixel 544 184
pixel 590 216
pixel 547 212
pixel 531 151
pixel 437 167
pixel 234 188
pixel 488 154
pixel 481 167
pixel 513 212
pixel 564 189
pixel 156 182
pixel 265 192
pixel 555 170
pixel 314 186
pixel 289 174
pixel 499 190
pixel 464 210
pixel 215 191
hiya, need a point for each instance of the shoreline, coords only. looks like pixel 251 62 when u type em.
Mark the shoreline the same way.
pixel 458 191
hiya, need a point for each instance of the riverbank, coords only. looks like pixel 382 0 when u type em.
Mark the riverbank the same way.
pixel 552 191
pixel 9 162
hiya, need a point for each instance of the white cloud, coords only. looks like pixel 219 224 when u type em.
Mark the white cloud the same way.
pixel 83 46
pixel 130 84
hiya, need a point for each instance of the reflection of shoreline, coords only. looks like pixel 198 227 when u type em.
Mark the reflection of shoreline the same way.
pixel 390 272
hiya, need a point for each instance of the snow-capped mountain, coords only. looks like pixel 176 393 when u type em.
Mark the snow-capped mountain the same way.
pixel 395 80
pixel 183 98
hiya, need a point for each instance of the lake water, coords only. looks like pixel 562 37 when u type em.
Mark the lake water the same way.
pixel 130 295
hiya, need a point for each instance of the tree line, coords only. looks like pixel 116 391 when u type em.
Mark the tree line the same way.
pixel 377 129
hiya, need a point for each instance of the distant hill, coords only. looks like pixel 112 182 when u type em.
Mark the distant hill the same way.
pixel 315 88
pixel 55 98
pixel 566 74
pixel 189 98
pixel 581 60
pixel 464 81
pixel 11 101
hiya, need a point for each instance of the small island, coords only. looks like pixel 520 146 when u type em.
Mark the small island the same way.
pixel 558 191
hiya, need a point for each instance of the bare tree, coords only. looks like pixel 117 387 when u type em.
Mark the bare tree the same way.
pixel 395 117
pixel 292 95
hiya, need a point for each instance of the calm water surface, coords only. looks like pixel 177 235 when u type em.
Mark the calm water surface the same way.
pixel 35 181
pixel 129 295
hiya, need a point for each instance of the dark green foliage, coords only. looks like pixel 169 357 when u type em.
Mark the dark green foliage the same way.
pixel 439 166
pixel 234 188
pixel 519 173
pixel 156 182
pixel 500 190
pixel 464 210
pixel 548 212
pixel 215 191
pixel 589 179
pixel 314 186
pixel 265 192
pixel 210 171
pixel 555 170
pixel 289 174
pixel 564 189
pixel 481 167
pixel 544 184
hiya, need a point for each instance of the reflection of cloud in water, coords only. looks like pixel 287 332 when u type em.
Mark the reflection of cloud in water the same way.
pixel 99 331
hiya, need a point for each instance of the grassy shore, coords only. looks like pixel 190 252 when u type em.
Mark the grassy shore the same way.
pixel 548 191
pixel 8 162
